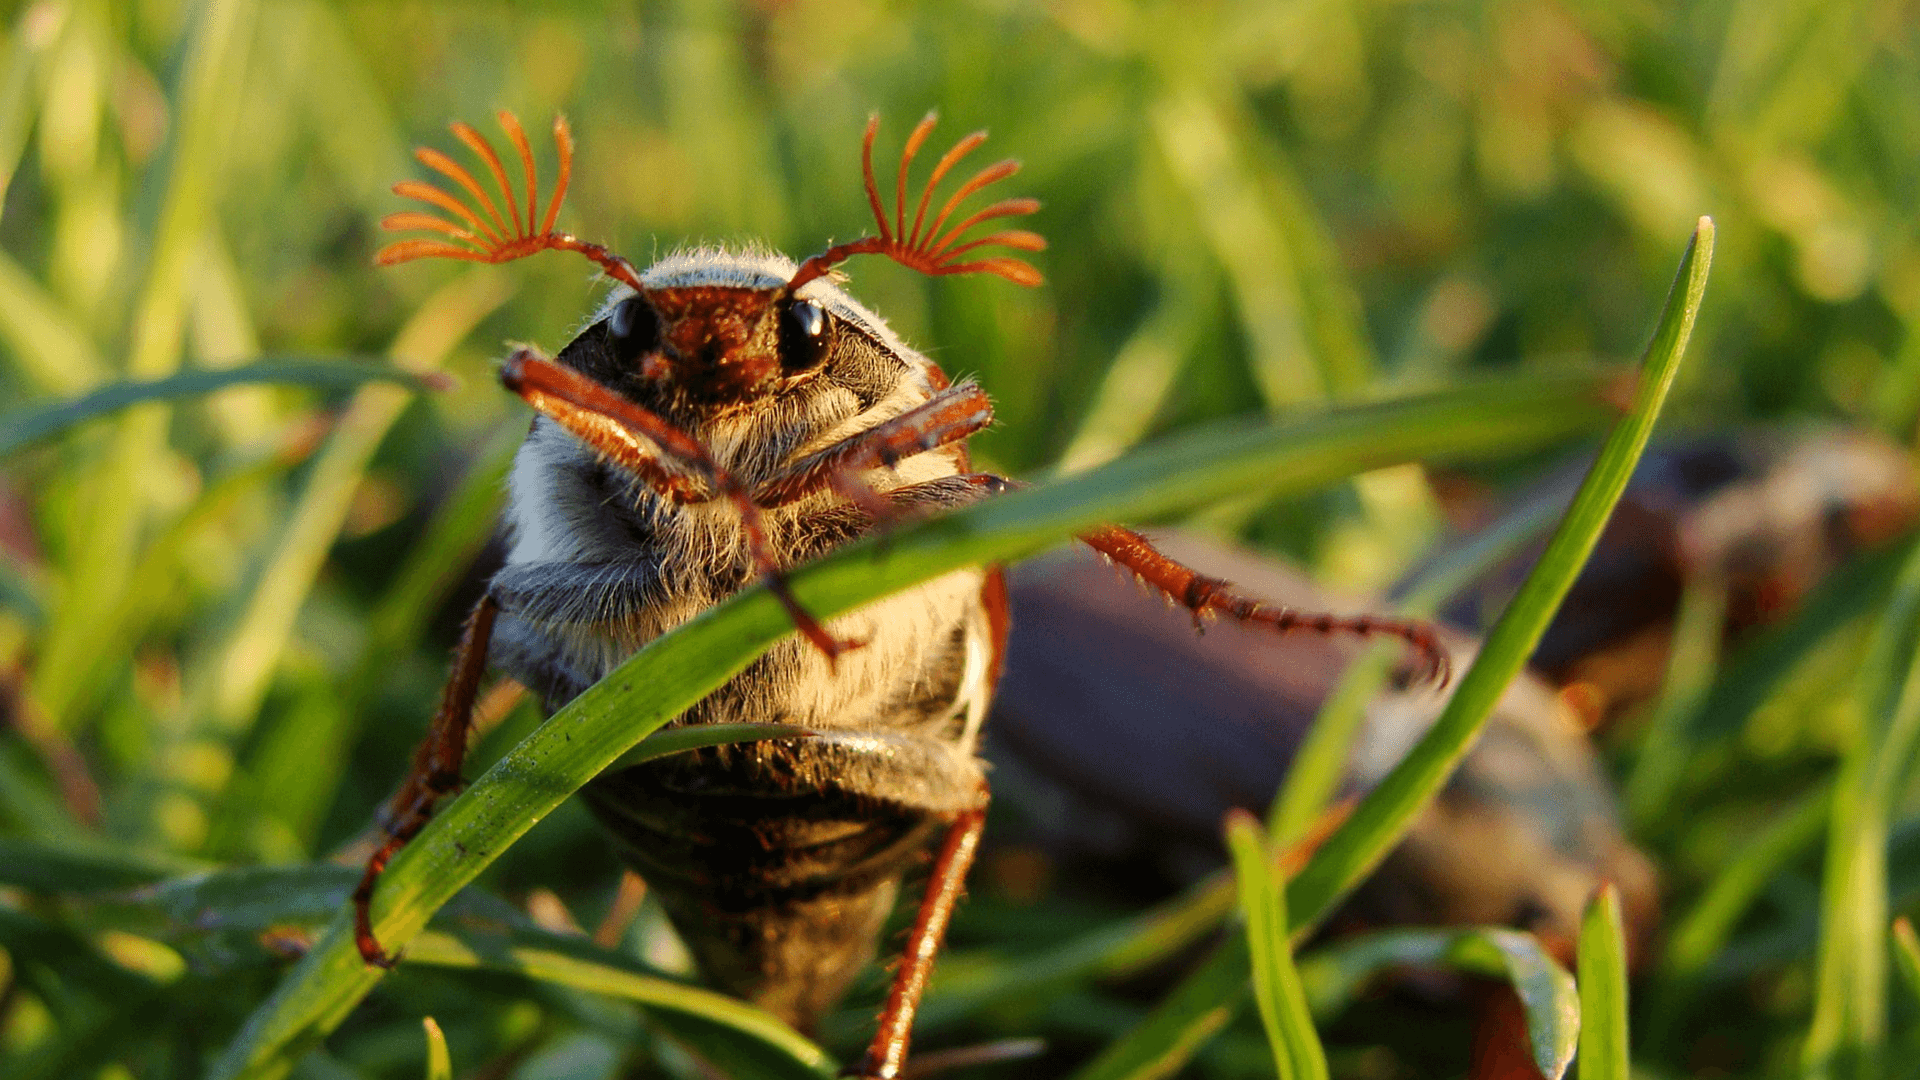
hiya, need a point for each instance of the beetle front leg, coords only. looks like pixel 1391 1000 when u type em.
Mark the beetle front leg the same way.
pixel 434 774
pixel 887 1054
pixel 668 460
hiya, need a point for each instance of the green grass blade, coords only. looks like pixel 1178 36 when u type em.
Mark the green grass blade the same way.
pixel 1906 953
pixel 33 30
pixel 1114 951
pixel 1297 1052
pixel 1195 134
pixel 1321 762
pixel 756 1042
pixel 78 867
pixel 50 349
pixel 1379 820
pixel 1754 673
pixel 24 426
pixel 1334 976
pixel 1383 816
pixel 681 667
pixel 1603 990
pixel 99 570
pixel 1850 1008
pixel 1146 370
pixel 219 917
pixel 1702 933
pixel 237 676
pixel 439 1060
pixel 294 768
pixel 682 739
pixel 1691 664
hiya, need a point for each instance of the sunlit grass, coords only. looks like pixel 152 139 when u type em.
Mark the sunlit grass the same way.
pixel 1288 245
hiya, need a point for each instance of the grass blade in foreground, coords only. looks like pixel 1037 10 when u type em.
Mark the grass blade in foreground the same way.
pixel 219 920
pixel 741 1040
pixel 1603 990
pixel 1190 1014
pixel 1152 936
pixel 439 1060
pixel 684 666
pixel 1297 1053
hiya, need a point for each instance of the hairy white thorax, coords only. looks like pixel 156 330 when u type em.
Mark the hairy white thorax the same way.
pixel 560 512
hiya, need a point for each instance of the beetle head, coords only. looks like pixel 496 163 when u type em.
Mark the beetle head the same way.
pixel 713 345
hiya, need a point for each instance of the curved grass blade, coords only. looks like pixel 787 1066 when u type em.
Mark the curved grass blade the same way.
pixel 1603 990
pixel 1703 932
pixel 1378 822
pixel 234 918
pixel 968 982
pixel 24 426
pixel 1850 996
pixel 1297 1052
pixel 1906 953
pixel 1321 762
pixel 1335 975
pixel 1755 671
pixel 439 1059
pixel 82 866
pixel 1113 951
pixel 741 1040
pixel 679 668
pixel 1692 662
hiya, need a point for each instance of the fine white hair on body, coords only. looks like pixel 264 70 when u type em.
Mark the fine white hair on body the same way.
pixel 556 514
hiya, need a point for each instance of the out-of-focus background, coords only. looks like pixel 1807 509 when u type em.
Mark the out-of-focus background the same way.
pixel 223 621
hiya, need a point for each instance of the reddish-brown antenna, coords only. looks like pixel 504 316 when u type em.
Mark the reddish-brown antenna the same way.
pixel 493 238
pixel 926 248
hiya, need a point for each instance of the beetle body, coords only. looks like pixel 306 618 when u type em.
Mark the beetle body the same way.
pixel 722 418
pixel 777 860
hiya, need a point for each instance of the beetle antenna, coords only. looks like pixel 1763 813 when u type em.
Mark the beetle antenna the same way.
pixel 926 248
pixel 485 235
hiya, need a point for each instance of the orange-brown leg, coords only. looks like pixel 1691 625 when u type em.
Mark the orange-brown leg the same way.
pixel 435 772
pixel 1209 596
pixel 950 416
pixel 888 1052
pixel 668 460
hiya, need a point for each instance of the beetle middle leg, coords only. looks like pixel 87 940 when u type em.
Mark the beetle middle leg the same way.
pixel 1201 595
pixel 945 419
pixel 1205 596
pixel 435 772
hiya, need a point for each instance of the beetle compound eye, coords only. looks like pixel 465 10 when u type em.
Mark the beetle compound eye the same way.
pixel 633 329
pixel 804 335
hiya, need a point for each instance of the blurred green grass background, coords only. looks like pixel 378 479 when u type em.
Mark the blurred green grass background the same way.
pixel 235 611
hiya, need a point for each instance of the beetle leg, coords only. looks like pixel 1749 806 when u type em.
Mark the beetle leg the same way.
pixel 435 772
pixel 945 419
pixel 888 1052
pixel 667 460
pixel 662 456
pixel 1209 596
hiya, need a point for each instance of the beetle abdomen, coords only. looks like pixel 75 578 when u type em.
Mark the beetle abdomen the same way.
pixel 780 897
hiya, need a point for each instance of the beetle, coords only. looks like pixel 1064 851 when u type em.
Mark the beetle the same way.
pixel 722 417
